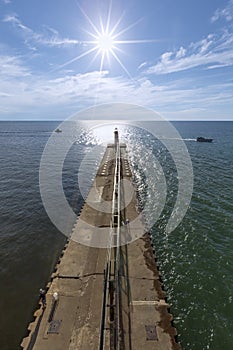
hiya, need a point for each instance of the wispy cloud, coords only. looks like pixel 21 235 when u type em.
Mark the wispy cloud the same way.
pixel 213 51
pixel 225 13
pixel 25 91
pixel 6 1
pixel 210 52
pixel 50 37
pixel 13 18
pixel 12 67
pixel 143 64
pixel 21 91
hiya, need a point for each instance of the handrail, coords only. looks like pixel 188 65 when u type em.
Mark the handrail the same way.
pixel 117 258
pixel 116 201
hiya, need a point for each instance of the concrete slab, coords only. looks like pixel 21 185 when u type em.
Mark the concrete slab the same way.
pixel 145 322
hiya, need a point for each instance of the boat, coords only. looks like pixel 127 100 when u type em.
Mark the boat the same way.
pixel 203 139
pixel 58 130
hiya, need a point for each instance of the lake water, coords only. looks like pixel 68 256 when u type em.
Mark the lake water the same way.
pixel 195 260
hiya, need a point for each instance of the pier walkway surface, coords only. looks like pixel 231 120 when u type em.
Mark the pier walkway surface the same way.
pixel 111 297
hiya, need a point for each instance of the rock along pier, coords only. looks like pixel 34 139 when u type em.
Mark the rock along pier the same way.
pixel 106 295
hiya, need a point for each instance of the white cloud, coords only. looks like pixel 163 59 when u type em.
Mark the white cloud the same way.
pixel 181 52
pixel 212 51
pixel 12 67
pixel 15 21
pixel 50 37
pixel 27 93
pixel 165 57
pixel 225 13
pixel 205 44
pixel 143 64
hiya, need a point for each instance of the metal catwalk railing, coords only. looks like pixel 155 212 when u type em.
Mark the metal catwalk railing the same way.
pixel 117 322
pixel 111 292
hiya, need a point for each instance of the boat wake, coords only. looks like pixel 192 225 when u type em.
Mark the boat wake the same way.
pixel 189 140
pixel 178 139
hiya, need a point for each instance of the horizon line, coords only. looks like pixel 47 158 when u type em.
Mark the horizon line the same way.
pixel 170 120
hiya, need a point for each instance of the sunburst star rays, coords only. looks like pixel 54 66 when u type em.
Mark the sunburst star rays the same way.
pixel 105 41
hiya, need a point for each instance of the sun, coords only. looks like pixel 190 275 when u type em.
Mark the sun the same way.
pixel 105 41
pixel 105 45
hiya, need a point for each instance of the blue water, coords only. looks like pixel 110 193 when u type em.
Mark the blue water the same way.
pixel 195 260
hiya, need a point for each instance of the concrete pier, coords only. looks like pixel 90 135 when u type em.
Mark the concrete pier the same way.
pixel 112 297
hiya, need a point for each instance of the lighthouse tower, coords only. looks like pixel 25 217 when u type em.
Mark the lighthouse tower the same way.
pixel 116 139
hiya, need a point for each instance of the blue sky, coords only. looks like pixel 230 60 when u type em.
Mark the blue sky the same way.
pixel 175 57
